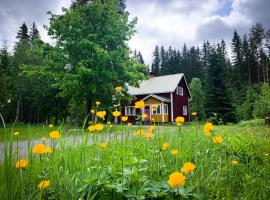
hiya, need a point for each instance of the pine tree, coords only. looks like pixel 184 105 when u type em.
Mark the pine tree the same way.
pixel 22 34
pixel 34 33
pixel 156 61
pixel 163 61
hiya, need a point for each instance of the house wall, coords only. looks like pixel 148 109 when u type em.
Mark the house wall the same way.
pixel 157 118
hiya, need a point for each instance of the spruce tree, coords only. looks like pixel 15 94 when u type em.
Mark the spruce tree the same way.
pixel 34 33
pixel 156 61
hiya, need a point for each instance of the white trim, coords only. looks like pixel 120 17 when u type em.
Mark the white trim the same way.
pixel 132 114
pixel 178 89
pixel 166 113
pixel 185 111
pixel 160 105
pixel 172 108
pixel 162 111
pixel 156 97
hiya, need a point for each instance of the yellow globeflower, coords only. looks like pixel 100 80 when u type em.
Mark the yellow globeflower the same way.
pixel 39 149
pixel 140 132
pixel 103 145
pixel 217 139
pixel 208 127
pixel 129 124
pixel 139 104
pixel 101 114
pixel 176 179
pixel 149 135
pixel 92 111
pixel 193 113
pixel 43 184
pixel 174 152
pixel 55 135
pixel 165 146
pixel 98 103
pixel 48 150
pixel 124 118
pixel 16 133
pixel 21 163
pixel 116 113
pixel 152 128
pixel 51 125
pixel 179 119
pixel 188 167
pixel 234 162
pixel 118 88
pixel 91 128
pixel 144 116
pixel 99 127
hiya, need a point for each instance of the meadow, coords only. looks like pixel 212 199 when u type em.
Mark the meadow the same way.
pixel 166 162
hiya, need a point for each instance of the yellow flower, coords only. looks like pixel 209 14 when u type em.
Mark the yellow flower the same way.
pixel 129 124
pixel 124 118
pixel 179 119
pixel 101 114
pixel 16 133
pixel 217 139
pixel 43 138
pixel 165 146
pixel 149 135
pixel 208 127
pixel 21 163
pixel 193 113
pixel 103 145
pixel 174 152
pixel 140 132
pixel 98 127
pixel 178 124
pixel 48 150
pixel 139 104
pixel 43 184
pixel 41 149
pixel 152 128
pixel 92 111
pixel 176 179
pixel 111 126
pixel 188 167
pixel 91 128
pixel 116 113
pixel 144 116
pixel 98 103
pixel 234 162
pixel 50 125
pixel 118 88
pixel 55 135
pixel 109 122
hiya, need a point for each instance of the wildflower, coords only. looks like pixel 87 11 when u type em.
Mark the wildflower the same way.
pixel 51 125
pixel 55 135
pixel 91 128
pixel 152 128
pixel 16 133
pixel 176 179
pixel 109 122
pixel 43 184
pixel 144 116
pixel 234 162
pixel 101 114
pixel 98 127
pixel 111 126
pixel 174 152
pixel 98 103
pixel 116 113
pixel 178 124
pixel 140 132
pixel 165 146
pixel 39 149
pixel 179 119
pixel 124 118
pixel 48 150
pixel 103 145
pixel 92 111
pixel 193 113
pixel 208 127
pixel 149 135
pixel 139 104
pixel 118 88
pixel 188 167
pixel 217 139
pixel 129 124
pixel 21 163
pixel 43 138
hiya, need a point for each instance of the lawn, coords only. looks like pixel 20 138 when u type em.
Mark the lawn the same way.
pixel 139 167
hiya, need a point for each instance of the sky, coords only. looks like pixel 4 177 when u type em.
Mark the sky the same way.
pixel 160 22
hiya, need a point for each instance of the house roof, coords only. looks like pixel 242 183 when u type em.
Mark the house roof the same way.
pixel 163 99
pixel 155 85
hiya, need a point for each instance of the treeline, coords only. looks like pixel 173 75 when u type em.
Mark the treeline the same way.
pixel 223 88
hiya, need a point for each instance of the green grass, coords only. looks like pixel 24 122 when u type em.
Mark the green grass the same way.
pixel 137 168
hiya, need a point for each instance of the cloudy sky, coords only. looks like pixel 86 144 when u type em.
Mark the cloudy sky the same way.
pixel 160 22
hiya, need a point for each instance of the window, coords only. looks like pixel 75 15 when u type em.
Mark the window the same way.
pixel 130 111
pixel 165 109
pixel 156 111
pixel 184 110
pixel 179 90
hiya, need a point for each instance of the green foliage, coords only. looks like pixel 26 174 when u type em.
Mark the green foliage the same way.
pixel 198 97
pixel 262 103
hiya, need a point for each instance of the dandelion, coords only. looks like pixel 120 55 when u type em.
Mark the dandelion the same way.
pixel 43 184
pixel 103 145
pixel 165 146
pixel 188 167
pixel 144 116
pixel 16 133
pixel 118 88
pixel 152 128
pixel 124 118
pixel 21 163
pixel 234 162
pixel 98 127
pixel 139 104
pixel 101 114
pixel 174 152
pixel 139 132
pixel 208 127
pixel 91 128
pixel 193 113
pixel 51 125
pixel 116 113
pixel 149 135
pixel 179 119
pixel 176 179
pixel 129 124
pixel 98 103
pixel 217 139
pixel 55 135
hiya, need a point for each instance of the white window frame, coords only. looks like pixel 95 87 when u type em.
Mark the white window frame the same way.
pixel 165 109
pixel 180 91
pixel 185 110
pixel 131 108
pixel 154 111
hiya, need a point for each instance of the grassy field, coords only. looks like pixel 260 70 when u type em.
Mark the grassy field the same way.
pixel 139 167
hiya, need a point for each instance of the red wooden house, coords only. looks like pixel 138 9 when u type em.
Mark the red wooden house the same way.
pixel 169 94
